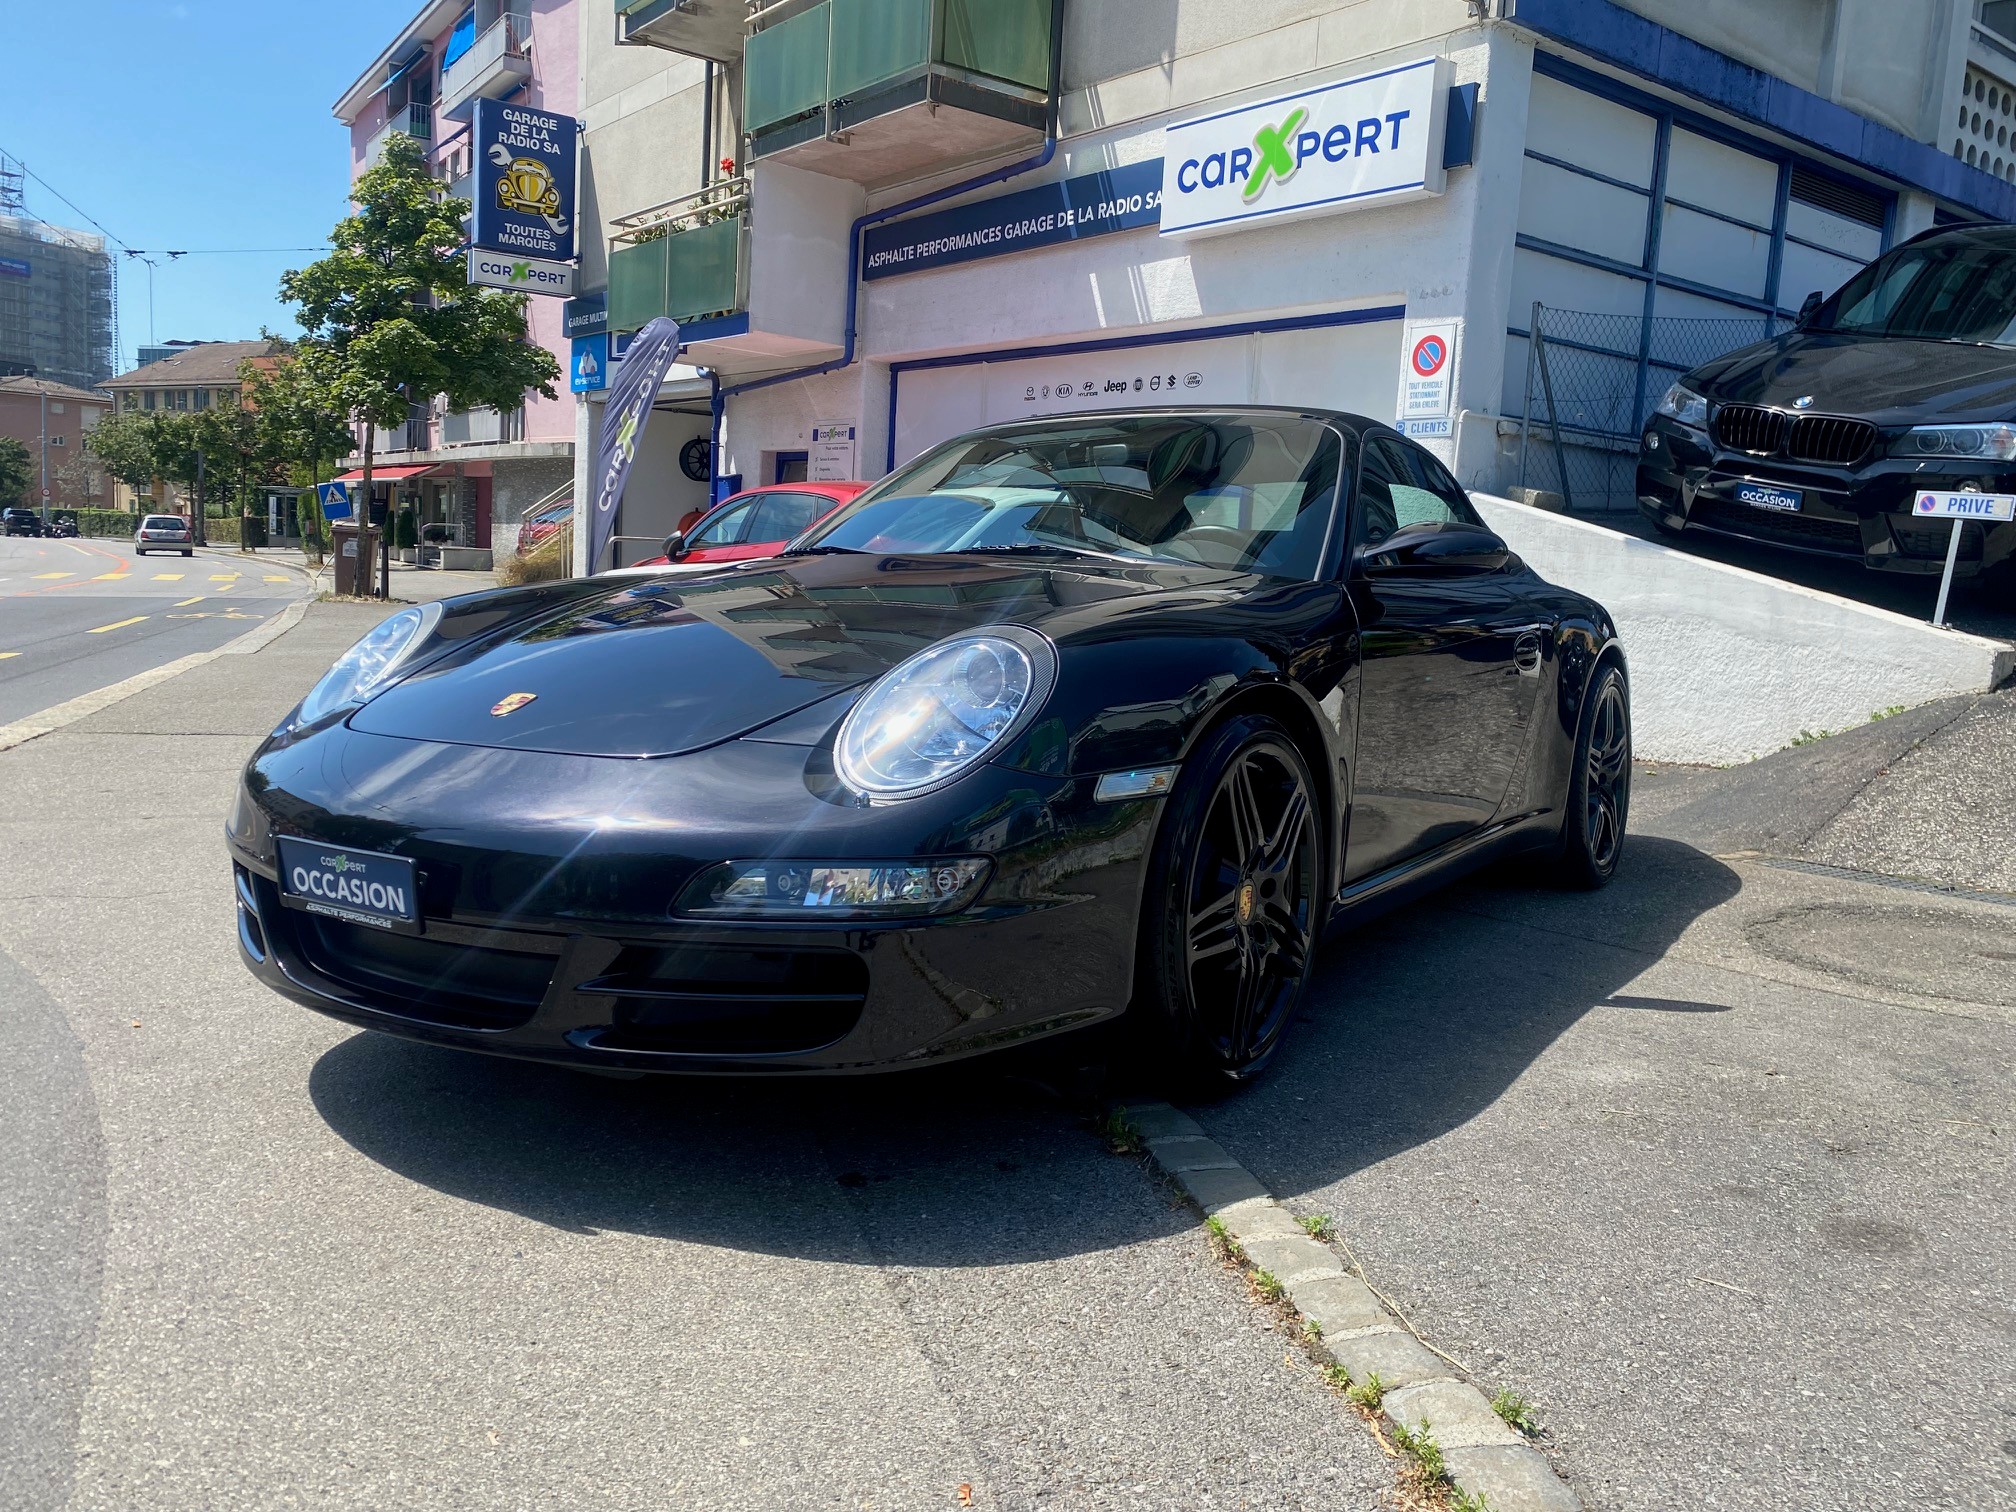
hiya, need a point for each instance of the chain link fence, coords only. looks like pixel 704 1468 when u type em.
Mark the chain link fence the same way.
pixel 1591 381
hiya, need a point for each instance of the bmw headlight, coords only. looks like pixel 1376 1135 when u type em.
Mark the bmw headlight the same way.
pixel 368 665
pixel 1684 405
pixel 1984 443
pixel 942 711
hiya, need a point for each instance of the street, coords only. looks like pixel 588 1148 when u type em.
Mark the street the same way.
pixel 80 615
pixel 1719 1178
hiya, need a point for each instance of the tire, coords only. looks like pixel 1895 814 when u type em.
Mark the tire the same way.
pixel 188 553
pixel 1232 909
pixel 1599 784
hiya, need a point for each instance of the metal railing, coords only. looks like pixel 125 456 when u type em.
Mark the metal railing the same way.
pixel 416 121
pixel 1592 381
pixel 509 36
pixel 687 257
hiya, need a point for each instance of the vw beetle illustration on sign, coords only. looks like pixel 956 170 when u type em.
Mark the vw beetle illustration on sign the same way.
pixel 1072 720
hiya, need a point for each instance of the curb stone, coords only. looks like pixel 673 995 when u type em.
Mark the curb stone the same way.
pixel 1486 1457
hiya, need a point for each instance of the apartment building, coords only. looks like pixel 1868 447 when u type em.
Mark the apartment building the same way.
pixel 884 221
pixel 52 419
pixel 475 473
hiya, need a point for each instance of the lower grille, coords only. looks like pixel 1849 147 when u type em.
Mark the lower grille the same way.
pixel 465 986
pixel 718 1000
pixel 1750 428
pixel 1806 531
pixel 1929 542
pixel 1829 439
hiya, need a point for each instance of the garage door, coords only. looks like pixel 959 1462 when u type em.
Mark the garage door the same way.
pixel 1353 367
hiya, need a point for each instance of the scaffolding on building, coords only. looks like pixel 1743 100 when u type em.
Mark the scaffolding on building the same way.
pixel 56 302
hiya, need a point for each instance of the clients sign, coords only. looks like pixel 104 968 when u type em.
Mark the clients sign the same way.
pixel 1371 140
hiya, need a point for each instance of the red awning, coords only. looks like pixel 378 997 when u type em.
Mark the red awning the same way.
pixel 385 474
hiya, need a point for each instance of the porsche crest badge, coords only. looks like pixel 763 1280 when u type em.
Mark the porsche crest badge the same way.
pixel 511 703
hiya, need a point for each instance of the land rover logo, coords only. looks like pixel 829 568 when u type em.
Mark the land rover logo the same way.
pixel 511 703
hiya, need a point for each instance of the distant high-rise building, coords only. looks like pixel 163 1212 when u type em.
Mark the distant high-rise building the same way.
pixel 55 302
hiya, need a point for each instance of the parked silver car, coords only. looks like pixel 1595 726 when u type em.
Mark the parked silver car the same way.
pixel 163 533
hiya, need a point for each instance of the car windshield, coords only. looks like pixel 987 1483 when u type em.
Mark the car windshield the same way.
pixel 1251 493
pixel 1941 291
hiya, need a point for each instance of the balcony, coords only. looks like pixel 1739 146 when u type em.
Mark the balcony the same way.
pixel 746 300
pixel 481 427
pixel 498 61
pixel 416 121
pixel 698 28
pixel 881 91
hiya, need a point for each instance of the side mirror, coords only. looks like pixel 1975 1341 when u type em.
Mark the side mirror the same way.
pixel 1808 309
pixel 675 545
pixel 1435 549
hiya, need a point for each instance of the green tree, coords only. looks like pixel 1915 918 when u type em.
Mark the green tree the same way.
pixel 136 447
pixel 389 317
pixel 17 471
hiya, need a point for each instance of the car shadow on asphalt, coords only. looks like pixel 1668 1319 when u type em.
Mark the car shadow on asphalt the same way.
pixel 1415 1024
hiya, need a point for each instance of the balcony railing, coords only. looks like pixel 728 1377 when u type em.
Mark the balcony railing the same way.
pixel 416 121
pixel 821 74
pixel 698 28
pixel 685 258
pixel 482 427
pixel 497 62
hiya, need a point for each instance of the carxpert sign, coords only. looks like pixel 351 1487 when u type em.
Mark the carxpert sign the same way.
pixel 1093 204
pixel 524 274
pixel 523 184
pixel 1372 140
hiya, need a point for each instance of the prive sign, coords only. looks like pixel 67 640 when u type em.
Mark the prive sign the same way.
pixel 1370 140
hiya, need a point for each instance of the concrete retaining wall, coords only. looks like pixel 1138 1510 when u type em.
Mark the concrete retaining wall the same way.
pixel 1728 665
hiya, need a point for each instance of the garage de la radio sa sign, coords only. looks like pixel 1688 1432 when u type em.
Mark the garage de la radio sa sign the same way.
pixel 522 232
pixel 1373 140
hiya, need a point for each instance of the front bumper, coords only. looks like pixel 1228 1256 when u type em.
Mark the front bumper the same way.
pixel 1863 514
pixel 546 928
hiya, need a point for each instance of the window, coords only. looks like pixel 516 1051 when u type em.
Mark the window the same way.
pixel 55 406
pixel 59 441
pixel 202 399
pixel 132 401
pixel 150 399
pixel 1401 485
pixel 781 516
pixel 726 528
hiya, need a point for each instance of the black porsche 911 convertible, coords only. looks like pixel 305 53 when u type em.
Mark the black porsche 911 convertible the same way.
pixel 1066 720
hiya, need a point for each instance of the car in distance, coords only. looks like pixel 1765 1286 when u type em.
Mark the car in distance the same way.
pixel 758 522
pixel 162 532
pixel 20 522
pixel 1073 720
pixel 543 524
pixel 1902 382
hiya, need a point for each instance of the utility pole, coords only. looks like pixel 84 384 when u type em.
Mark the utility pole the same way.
pixel 44 388
pixel 197 533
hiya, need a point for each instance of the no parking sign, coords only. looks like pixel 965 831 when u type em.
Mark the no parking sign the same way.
pixel 1427 378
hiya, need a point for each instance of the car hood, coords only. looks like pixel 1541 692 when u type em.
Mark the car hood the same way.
pixel 642 667
pixel 1888 379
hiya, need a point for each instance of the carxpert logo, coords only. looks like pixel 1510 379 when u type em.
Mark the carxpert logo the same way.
pixel 1356 142
pixel 338 864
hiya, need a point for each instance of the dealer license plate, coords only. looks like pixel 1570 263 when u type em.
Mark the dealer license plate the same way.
pixel 1758 496
pixel 359 887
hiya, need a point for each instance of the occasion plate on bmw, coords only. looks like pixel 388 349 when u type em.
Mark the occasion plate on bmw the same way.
pixel 1758 496
pixel 359 887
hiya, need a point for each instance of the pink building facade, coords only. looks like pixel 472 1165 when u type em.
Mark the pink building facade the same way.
pixel 473 477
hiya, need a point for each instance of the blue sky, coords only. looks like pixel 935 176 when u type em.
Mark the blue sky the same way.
pixel 191 124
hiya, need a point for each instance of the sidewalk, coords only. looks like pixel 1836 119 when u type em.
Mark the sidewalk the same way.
pixel 276 1261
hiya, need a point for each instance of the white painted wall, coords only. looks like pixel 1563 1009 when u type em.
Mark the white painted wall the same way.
pixel 1729 665
pixel 798 225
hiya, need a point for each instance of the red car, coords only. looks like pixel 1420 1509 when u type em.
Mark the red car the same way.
pixel 755 523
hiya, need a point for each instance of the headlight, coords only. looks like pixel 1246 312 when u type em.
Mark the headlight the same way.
pixel 833 890
pixel 940 712
pixel 1996 443
pixel 1684 405
pixel 365 667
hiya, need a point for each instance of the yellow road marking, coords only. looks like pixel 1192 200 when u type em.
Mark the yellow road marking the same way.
pixel 121 625
pixel 224 577
pixel 86 550
pixel 41 576
pixel 167 577
pixel 187 602
pixel 5 654
pixel 280 579
pixel 110 577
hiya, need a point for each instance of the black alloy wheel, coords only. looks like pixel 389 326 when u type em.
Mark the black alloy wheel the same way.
pixel 1235 905
pixel 1599 786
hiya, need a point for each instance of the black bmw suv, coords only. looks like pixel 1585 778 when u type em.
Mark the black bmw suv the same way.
pixel 1817 440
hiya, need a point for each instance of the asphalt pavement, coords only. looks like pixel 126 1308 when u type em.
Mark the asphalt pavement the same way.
pixel 77 616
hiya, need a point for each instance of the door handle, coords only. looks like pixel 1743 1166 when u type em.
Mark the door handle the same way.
pixel 1526 654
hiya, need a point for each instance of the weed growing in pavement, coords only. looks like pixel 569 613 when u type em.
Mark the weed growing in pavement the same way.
pixel 1368 1393
pixel 1464 1501
pixel 1810 737
pixel 1516 1411
pixel 1420 1446
pixel 1322 1227
pixel 1121 1133
pixel 1312 1330
pixel 1268 1286
pixel 1337 1376
pixel 1228 1248
pixel 1885 713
